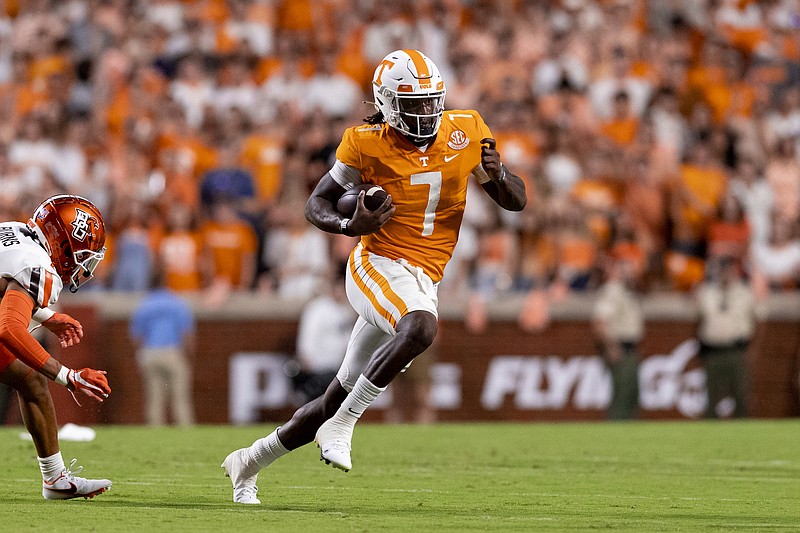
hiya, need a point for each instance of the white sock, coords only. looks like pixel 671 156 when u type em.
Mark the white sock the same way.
pixel 361 397
pixel 264 452
pixel 52 466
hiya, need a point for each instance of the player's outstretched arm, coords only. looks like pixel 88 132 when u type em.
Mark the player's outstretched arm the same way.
pixel 321 211
pixel 16 309
pixel 505 188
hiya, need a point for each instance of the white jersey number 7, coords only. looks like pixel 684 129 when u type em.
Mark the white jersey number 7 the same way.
pixel 434 180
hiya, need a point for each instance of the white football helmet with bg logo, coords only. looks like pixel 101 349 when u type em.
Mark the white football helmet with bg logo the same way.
pixel 409 91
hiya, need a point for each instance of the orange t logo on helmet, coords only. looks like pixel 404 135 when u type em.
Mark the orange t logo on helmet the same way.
pixel 385 63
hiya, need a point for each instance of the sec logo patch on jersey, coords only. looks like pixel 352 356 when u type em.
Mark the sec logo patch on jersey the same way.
pixel 458 140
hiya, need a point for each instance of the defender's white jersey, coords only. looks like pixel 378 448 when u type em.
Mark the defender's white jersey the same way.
pixel 23 259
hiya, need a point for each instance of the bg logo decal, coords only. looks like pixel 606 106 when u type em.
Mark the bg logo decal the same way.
pixel 80 226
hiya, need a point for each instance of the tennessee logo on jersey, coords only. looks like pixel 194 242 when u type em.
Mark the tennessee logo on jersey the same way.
pixel 428 188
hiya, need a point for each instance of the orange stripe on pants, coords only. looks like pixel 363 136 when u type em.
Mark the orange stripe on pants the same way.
pixel 383 283
pixel 369 294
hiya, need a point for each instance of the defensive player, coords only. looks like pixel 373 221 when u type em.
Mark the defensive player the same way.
pixel 61 244
pixel 423 157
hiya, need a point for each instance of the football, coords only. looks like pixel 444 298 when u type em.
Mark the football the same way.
pixel 374 196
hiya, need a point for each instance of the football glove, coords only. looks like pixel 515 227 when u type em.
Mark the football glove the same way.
pixel 92 383
pixel 68 330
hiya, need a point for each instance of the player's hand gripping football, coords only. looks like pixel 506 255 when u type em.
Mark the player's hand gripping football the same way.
pixel 92 383
pixel 365 221
pixel 68 330
pixel 490 159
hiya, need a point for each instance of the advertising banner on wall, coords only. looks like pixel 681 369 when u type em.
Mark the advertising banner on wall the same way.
pixel 577 385
pixel 503 373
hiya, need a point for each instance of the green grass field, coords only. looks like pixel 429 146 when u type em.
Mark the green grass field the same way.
pixel 677 476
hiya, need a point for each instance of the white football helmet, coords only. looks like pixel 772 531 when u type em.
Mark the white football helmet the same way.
pixel 409 91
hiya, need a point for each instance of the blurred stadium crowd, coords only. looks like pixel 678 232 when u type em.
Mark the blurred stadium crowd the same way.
pixel 661 133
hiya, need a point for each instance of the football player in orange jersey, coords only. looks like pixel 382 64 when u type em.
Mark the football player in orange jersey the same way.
pixel 423 156
pixel 61 244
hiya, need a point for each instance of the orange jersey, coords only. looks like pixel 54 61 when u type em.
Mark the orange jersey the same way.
pixel 230 245
pixel 705 184
pixel 263 156
pixel 180 255
pixel 428 188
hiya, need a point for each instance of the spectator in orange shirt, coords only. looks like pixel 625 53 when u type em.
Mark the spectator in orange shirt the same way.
pixel 622 126
pixel 709 69
pixel 732 95
pixel 685 267
pixel 179 251
pixel 626 247
pixel 230 244
pixel 180 185
pixel 729 235
pixel 262 154
pixel 695 197
pixel 696 194
pixel 296 16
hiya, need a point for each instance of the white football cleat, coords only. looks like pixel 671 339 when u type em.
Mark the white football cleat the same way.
pixel 334 446
pixel 244 488
pixel 67 485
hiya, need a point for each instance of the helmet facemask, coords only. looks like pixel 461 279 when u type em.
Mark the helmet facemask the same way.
pixel 419 116
pixel 86 262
